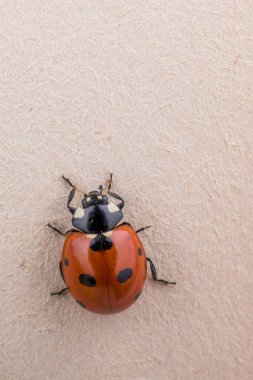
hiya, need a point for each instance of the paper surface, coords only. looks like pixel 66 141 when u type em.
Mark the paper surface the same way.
pixel 159 93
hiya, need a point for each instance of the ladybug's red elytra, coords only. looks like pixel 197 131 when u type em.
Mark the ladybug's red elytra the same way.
pixel 103 264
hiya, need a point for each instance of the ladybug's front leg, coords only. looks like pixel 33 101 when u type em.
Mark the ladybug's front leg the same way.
pixel 70 198
pixel 154 273
pixel 72 194
pixel 116 196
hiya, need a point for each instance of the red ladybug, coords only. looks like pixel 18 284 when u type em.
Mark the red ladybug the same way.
pixel 103 265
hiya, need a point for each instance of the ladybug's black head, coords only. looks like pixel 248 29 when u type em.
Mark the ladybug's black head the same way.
pixel 97 215
pixel 94 198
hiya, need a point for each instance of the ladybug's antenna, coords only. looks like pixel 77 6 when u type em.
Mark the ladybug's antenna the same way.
pixel 106 189
pixel 74 186
pixel 109 183
pixel 80 191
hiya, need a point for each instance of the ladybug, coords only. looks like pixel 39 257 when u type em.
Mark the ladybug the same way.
pixel 103 263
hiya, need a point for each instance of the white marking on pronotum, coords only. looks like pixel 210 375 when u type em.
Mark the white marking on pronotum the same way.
pixel 112 207
pixel 79 213
pixel 99 197
pixel 91 236
pixel 108 233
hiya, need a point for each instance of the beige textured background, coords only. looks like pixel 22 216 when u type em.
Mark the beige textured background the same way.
pixel 159 92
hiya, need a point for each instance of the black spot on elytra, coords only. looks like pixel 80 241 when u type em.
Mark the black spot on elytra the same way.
pixel 140 251
pixel 66 262
pixel 87 280
pixel 124 275
pixel 81 304
pixel 137 296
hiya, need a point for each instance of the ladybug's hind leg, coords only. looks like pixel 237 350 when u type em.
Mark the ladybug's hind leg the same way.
pixel 61 272
pixel 59 293
pixel 142 229
pixel 154 274
pixel 64 289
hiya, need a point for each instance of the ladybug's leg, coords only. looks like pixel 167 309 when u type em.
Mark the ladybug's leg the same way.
pixel 68 181
pixel 154 273
pixel 55 229
pixel 60 232
pixel 116 196
pixel 59 293
pixel 61 271
pixel 72 194
pixel 72 185
pixel 64 289
pixel 142 229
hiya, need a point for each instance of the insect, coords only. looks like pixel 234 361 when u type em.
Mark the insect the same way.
pixel 103 263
